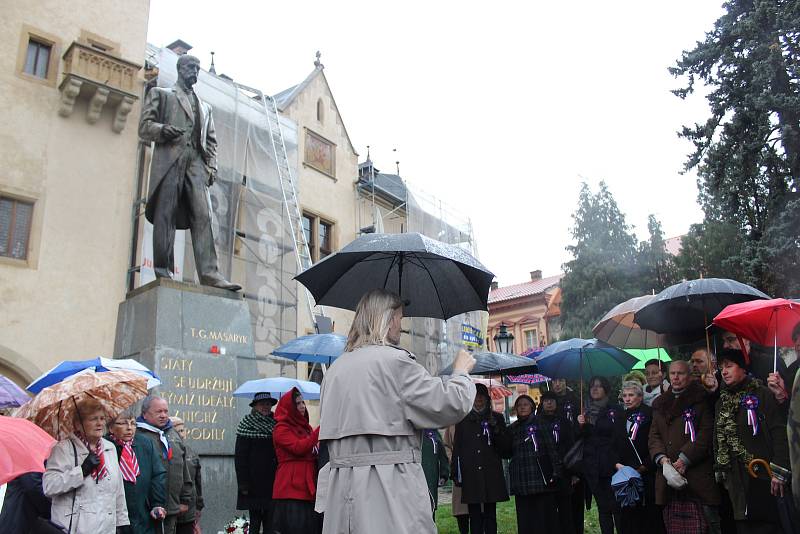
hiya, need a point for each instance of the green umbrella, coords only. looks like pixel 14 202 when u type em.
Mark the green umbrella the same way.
pixel 644 355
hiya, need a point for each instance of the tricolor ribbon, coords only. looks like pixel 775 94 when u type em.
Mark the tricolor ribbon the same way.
pixel 568 411
pixel 486 431
pixel 532 437
pixel 315 449
pixel 556 432
pixel 638 419
pixel 429 433
pixel 612 415
pixel 688 424
pixel 750 403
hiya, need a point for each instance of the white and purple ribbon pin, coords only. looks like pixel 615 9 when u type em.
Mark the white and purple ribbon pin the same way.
pixel 486 431
pixel 556 432
pixel 688 424
pixel 612 415
pixel 429 433
pixel 532 437
pixel 638 420
pixel 568 411
pixel 750 403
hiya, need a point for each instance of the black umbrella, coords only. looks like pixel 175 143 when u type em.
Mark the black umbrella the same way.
pixel 498 363
pixel 436 279
pixel 689 307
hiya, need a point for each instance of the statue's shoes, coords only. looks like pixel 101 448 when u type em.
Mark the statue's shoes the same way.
pixel 221 283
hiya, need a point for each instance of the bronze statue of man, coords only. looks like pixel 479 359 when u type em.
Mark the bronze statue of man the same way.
pixel 184 165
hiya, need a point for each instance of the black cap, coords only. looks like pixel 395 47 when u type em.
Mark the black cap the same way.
pixel 548 395
pixel 263 397
pixel 732 355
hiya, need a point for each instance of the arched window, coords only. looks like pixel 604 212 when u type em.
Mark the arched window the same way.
pixel 320 110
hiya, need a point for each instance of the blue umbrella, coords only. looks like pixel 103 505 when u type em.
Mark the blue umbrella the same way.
pixel 68 368
pixel 277 387
pixel 316 348
pixel 628 486
pixel 11 395
pixel 578 359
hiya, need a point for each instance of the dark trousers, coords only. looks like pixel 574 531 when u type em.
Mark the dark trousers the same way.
pixel 260 521
pixel 578 505
pixel 536 514
pixel 566 524
pixel 483 521
pixel 184 186
pixel 641 520
pixel 463 524
pixel 607 512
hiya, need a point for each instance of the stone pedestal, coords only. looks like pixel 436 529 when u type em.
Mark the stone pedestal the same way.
pixel 199 341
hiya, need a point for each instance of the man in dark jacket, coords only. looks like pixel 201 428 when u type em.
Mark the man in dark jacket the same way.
pixel 24 503
pixel 480 441
pixel 564 438
pixel 154 424
pixel 750 427
pixel 143 474
pixel 681 435
pixel 256 462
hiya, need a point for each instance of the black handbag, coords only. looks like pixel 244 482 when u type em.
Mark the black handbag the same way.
pixel 573 460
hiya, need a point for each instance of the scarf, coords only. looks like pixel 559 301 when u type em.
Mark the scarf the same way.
pixel 256 425
pixel 101 471
pixel 128 463
pixel 729 444
pixel 162 435
pixel 595 408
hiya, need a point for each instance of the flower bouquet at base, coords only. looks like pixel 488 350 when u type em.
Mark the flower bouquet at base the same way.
pixel 239 525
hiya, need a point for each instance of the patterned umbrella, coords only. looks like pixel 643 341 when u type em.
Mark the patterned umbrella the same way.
pixel 497 391
pixel 53 409
pixel 529 379
pixel 23 448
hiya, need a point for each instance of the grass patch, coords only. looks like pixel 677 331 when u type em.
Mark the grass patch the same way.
pixel 506 519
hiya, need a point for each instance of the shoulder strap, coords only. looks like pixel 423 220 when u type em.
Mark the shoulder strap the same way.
pixel 75 491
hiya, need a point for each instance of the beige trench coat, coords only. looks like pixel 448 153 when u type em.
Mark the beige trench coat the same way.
pixel 375 402
pixel 99 507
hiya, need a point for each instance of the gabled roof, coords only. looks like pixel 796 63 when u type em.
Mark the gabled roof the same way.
pixel 285 98
pixel 526 289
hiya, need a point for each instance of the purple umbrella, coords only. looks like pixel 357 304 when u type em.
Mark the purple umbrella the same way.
pixel 11 395
pixel 529 379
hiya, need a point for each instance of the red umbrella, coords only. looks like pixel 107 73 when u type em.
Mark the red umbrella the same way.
pixel 766 322
pixel 23 448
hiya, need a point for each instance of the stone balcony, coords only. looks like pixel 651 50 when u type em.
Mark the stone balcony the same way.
pixel 104 78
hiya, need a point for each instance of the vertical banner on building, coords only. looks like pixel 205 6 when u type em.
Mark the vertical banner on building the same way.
pixel 146 272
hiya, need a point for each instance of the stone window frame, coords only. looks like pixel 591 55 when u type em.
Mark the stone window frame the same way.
pixel 35 230
pixel 525 332
pixel 320 110
pixel 314 246
pixel 30 33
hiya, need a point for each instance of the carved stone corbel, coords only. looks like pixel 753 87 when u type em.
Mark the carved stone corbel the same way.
pixel 69 92
pixel 96 105
pixel 121 116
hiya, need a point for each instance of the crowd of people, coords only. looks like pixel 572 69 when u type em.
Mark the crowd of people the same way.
pixel 703 441
pixel 707 438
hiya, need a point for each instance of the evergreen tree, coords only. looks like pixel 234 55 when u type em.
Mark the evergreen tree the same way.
pixel 747 153
pixel 603 271
pixel 656 265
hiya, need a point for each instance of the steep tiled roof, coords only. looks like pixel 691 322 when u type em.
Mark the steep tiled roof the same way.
pixel 525 289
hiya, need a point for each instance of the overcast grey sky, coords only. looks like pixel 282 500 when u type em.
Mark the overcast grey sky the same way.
pixel 500 109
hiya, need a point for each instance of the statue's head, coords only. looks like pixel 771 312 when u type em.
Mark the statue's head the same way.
pixel 188 69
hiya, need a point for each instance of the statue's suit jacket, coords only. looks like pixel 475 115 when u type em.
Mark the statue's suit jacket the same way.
pixel 164 106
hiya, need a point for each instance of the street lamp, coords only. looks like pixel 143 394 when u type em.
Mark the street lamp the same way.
pixel 504 340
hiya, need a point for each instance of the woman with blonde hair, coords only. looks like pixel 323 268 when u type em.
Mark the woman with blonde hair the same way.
pixel 376 400
pixel 83 477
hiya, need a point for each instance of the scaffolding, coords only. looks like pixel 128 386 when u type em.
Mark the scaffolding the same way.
pixel 387 201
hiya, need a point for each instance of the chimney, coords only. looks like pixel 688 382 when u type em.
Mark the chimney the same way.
pixel 536 275
pixel 495 285
pixel 179 46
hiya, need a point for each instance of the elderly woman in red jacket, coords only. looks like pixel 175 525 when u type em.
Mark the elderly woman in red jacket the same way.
pixel 296 447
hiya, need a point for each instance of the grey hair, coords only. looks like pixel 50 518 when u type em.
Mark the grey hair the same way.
pixel 148 400
pixel 125 415
pixel 634 385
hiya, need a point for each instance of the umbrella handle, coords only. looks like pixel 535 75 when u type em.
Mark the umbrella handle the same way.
pixel 756 462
